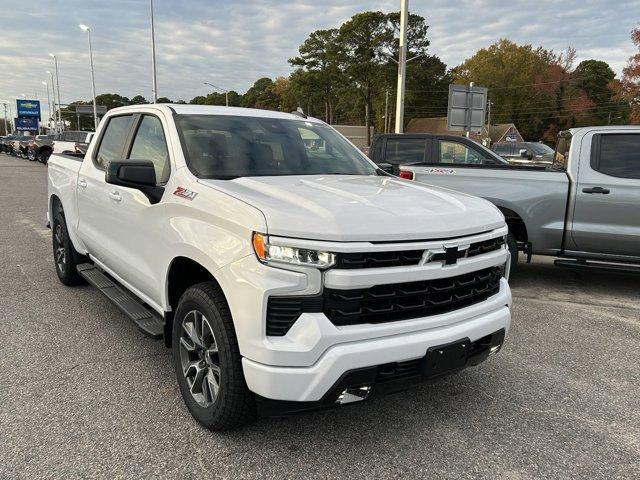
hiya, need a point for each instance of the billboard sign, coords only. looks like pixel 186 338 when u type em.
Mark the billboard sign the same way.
pixel 28 108
pixel 88 109
pixel 26 124
pixel 467 108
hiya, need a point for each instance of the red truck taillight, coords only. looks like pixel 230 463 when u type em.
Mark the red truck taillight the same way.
pixel 406 174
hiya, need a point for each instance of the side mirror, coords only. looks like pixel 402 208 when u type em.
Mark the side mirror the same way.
pixel 387 168
pixel 523 152
pixel 140 175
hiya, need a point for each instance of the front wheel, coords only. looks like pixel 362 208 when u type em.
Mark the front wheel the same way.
pixel 31 155
pixel 207 360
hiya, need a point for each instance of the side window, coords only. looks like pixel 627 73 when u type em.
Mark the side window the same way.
pixel 458 153
pixel 150 144
pixel 503 149
pixel 405 150
pixel 113 140
pixel 619 155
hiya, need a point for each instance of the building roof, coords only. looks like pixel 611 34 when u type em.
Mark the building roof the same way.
pixel 438 125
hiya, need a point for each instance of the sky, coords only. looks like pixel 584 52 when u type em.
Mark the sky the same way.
pixel 232 43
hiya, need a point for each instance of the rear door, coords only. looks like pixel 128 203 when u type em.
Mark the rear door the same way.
pixel 606 216
pixel 98 201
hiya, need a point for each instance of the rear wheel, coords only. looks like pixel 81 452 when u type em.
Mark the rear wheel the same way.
pixel 65 256
pixel 31 155
pixel 207 360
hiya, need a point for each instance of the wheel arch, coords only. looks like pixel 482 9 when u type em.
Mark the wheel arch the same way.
pixel 515 223
pixel 183 272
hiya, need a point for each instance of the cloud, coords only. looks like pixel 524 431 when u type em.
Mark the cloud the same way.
pixel 232 43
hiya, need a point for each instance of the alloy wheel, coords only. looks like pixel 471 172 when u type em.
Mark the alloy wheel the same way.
pixel 200 358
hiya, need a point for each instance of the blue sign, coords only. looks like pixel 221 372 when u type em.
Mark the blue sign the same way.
pixel 26 124
pixel 28 108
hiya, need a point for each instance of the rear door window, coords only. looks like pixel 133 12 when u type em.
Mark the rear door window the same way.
pixel 113 140
pixel 458 153
pixel 401 151
pixel 618 155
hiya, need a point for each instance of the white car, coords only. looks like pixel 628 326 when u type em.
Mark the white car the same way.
pixel 285 274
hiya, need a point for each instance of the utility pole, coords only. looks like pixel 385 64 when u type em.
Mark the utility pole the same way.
pixel 153 56
pixel 489 122
pixel 402 65
pixel 470 112
pixel 226 92
pixel 386 112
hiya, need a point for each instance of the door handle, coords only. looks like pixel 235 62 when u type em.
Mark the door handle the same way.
pixel 601 190
pixel 115 196
pixel 82 183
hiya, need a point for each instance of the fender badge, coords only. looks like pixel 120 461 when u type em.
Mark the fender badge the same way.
pixel 184 193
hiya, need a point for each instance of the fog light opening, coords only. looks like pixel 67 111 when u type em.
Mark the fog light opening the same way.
pixel 354 394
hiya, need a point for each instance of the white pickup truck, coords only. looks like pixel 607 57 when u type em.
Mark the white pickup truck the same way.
pixel 286 274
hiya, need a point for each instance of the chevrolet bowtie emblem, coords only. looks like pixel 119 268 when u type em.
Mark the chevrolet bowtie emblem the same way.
pixel 448 254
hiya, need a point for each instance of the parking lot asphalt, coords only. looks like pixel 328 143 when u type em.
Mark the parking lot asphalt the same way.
pixel 84 394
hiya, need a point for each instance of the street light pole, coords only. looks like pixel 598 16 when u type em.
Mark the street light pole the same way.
pixel 226 92
pixel 55 61
pixel 93 82
pixel 402 65
pixel 153 56
pixel 53 92
pixel 46 86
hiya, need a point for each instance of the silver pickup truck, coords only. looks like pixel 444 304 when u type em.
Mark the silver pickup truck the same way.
pixel 585 208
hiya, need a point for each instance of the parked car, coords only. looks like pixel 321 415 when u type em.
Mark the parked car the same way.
pixel 524 153
pixel 583 208
pixel 42 147
pixel 7 143
pixel 71 141
pixel 285 275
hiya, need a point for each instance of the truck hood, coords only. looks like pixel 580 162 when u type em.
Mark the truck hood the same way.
pixel 361 208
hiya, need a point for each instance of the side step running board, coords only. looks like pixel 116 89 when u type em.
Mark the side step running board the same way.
pixel 599 266
pixel 147 320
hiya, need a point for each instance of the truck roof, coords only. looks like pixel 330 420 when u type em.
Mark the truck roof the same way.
pixel 604 127
pixel 186 109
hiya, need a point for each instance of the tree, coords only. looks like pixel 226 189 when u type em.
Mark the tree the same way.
pixel 164 100
pixel 112 100
pixel 597 80
pixel 629 88
pixel 261 95
pixel 138 100
pixel 319 70
pixel 363 44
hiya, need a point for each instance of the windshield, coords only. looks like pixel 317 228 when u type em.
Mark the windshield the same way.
pixel 491 154
pixel 540 148
pixel 226 147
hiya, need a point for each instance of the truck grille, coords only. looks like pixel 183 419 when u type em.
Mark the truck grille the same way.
pixel 386 303
pixel 409 257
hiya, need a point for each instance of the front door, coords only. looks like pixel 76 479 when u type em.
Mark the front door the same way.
pixel 606 216
pixel 135 242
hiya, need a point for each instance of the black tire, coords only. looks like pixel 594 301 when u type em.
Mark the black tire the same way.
pixel 43 157
pixel 232 405
pixel 65 257
pixel 513 249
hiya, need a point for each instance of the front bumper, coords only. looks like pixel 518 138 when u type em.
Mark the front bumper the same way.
pixel 360 384
pixel 310 384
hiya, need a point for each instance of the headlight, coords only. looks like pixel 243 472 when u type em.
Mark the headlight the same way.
pixel 267 253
